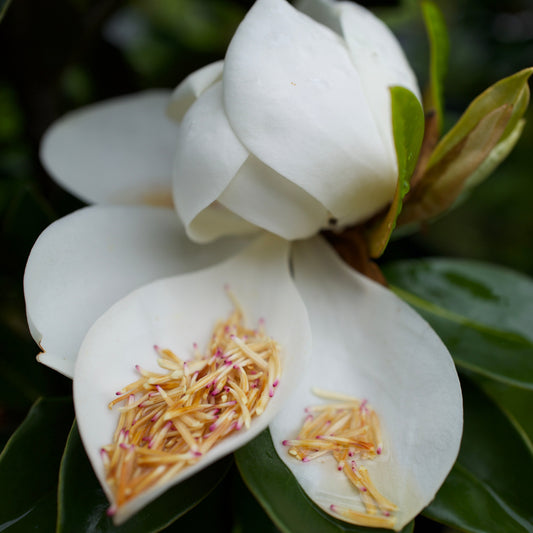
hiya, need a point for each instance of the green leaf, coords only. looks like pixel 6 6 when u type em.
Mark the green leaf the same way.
pixel 513 91
pixel 439 48
pixel 249 515
pixel 408 130
pixel 29 467
pixel 514 402
pixel 489 488
pixel 481 312
pixel 482 137
pixel 83 505
pixel 279 493
pixel 495 157
pixel 443 182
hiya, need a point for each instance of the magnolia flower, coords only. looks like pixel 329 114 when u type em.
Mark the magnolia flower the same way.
pixel 293 129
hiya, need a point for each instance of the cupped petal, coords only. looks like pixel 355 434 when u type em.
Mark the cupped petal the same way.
pixel 369 344
pixel 86 261
pixel 295 100
pixel 207 158
pixel 174 313
pixel 190 89
pixel 380 61
pixel 117 151
pixel 268 200
pixel 375 52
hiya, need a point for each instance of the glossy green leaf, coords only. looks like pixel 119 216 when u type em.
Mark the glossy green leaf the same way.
pixel 408 130
pixel 83 505
pixel 513 91
pixel 29 467
pixel 489 488
pixel 439 48
pixel 514 402
pixel 249 515
pixel 481 312
pixel 276 489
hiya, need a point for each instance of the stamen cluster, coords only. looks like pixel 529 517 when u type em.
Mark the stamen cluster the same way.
pixel 170 420
pixel 350 431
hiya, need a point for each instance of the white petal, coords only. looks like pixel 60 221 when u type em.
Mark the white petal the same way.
pixel 207 158
pixel 265 198
pixel 85 262
pixel 189 90
pixel 175 313
pixel 116 151
pixel 217 221
pixel 295 100
pixel 380 61
pixel 369 344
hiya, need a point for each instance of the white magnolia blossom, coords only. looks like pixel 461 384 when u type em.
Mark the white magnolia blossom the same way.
pixel 291 130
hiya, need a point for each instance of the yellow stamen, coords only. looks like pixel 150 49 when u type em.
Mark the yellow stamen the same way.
pixel 170 420
pixel 347 429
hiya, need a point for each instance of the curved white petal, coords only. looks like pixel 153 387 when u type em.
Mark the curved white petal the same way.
pixel 175 313
pixel 207 158
pixel 189 90
pixel 380 61
pixel 85 262
pixel 217 221
pixel 295 100
pixel 116 151
pixel 265 198
pixel 369 344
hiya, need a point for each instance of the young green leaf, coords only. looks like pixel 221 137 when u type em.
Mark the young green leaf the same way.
pixel 490 483
pixel 408 130
pixel 496 156
pixel 439 48
pixel 512 90
pixel 278 492
pixel 443 182
pixel 83 504
pixel 28 467
pixel 478 142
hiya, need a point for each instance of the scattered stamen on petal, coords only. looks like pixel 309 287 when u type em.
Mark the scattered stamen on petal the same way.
pixel 172 419
pixel 345 429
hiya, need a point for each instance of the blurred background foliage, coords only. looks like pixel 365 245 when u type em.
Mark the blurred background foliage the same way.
pixel 63 54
